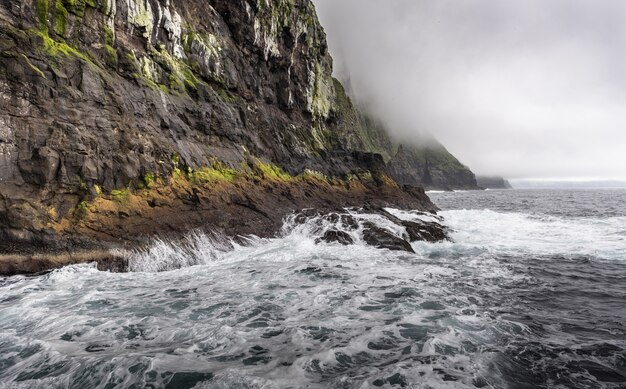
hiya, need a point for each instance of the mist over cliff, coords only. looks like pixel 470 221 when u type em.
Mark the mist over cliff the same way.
pixel 521 89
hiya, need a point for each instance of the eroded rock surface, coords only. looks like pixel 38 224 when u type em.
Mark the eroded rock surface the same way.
pixel 126 119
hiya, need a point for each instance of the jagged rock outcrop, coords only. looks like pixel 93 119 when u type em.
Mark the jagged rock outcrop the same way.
pixel 101 99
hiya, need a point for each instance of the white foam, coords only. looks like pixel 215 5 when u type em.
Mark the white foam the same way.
pixel 523 234
pixel 220 299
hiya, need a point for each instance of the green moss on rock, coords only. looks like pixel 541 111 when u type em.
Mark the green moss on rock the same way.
pixel 42 14
pixel 60 19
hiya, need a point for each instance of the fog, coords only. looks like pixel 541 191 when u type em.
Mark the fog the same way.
pixel 523 89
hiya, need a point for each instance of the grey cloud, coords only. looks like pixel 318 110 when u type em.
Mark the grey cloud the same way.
pixel 533 88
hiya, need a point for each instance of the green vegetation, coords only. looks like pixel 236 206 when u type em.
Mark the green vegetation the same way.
pixel 109 36
pixel 98 190
pixel 181 77
pixel 319 93
pixel 271 172
pixel 109 42
pixel 211 174
pixel 112 54
pixel 81 209
pixel 77 7
pixel 120 196
pixel 60 19
pixel 42 14
pixel 312 175
pixel 175 161
pixel 152 70
pixel 81 185
pixel 55 49
pixel 149 179
pixel 35 68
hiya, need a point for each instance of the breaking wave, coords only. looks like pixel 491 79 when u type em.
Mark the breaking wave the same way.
pixel 515 300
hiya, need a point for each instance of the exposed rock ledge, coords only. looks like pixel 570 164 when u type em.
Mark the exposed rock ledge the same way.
pixel 226 205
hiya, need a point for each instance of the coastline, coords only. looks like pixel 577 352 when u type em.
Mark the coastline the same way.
pixel 172 208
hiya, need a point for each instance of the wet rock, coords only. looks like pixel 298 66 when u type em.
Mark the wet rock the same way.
pixel 122 98
pixel 349 222
pixel 383 239
pixel 331 236
pixel 425 231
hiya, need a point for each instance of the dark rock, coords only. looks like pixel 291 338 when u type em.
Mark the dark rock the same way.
pixel 331 236
pixel 425 231
pixel 349 222
pixel 432 167
pixel 102 101
pixel 383 239
pixel 490 182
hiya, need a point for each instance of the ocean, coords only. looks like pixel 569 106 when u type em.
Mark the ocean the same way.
pixel 530 293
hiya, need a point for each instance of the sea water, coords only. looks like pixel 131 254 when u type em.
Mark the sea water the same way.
pixel 530 293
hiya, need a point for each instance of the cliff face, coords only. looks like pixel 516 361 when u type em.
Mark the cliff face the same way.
pixel 106 91
pixel 493 182
pixel 105 95
pixel 429 165
pixel 122 118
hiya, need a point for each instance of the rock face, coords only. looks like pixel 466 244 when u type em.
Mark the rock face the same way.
pixel 493 182
pixel 103 99
pixel 432 167
pixel 428 165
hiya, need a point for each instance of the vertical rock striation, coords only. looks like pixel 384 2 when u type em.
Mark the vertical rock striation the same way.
pixel 102 97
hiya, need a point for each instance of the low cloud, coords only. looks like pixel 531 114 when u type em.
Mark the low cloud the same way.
pixel 533 88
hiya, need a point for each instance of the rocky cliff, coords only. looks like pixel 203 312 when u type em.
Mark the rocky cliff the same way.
pixel 493 182
pixel 431 167
pixel 424 163
pixel 122 120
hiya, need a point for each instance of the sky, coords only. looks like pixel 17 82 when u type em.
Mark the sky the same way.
pixel 522 89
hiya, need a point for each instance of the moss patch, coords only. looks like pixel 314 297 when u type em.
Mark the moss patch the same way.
pixel 270 171
pixel 120 196
pixel 312 175
pixel 35 68
pixel 60 19
pixel 206 175
pixel 149 179
pixel 42 14
pixel 55 49
pixel 81 209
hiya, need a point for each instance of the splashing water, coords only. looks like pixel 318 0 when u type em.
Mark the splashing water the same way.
pixel 519 299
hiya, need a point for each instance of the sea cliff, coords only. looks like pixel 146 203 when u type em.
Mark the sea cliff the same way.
pixel 126 119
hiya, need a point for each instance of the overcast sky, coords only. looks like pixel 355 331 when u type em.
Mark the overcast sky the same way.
pixel 524 89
